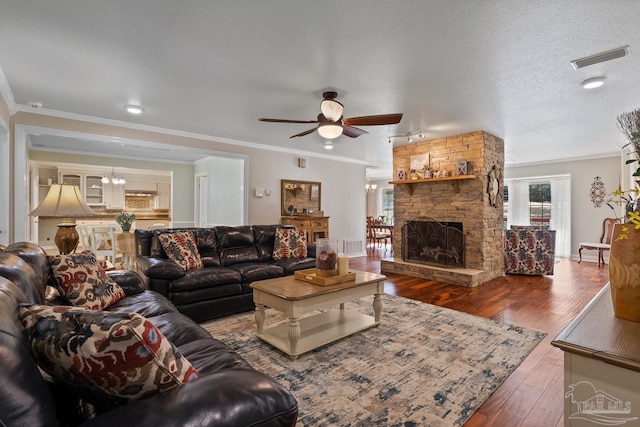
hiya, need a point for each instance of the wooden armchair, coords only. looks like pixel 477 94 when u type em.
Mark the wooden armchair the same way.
pixel 603 245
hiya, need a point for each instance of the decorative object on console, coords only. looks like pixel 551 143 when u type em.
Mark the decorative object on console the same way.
pixel 327 257
pixel 624 264
pixel 66 201
pixel 125 220
pixel 112 357
pixel 83 282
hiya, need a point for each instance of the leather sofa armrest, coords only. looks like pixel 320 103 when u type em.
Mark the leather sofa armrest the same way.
pixel 159 268
pixel 229 398
pixel 128 280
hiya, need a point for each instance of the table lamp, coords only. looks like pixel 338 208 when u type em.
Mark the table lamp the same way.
pixel 64 200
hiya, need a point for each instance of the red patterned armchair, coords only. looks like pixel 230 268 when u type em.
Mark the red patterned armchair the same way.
pixel 529 250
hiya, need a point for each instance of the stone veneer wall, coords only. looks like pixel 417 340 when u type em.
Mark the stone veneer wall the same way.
pixel 482 223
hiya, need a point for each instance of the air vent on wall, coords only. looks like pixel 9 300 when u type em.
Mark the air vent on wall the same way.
pixel 600 57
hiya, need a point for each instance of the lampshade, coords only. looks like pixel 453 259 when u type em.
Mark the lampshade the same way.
pixel 331 109
pixel 330 131
pixel 65 201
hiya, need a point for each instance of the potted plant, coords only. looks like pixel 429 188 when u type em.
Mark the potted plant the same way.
pixel 125 220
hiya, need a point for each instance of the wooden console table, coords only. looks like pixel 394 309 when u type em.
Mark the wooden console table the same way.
pixel 315 226
pixel 601 366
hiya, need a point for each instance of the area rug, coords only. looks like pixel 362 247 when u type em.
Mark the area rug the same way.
pixel 422 366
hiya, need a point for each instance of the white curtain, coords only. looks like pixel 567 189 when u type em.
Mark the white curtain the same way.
pixel 561 215
pixel 518 203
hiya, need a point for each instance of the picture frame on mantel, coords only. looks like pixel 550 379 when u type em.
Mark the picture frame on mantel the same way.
pixel 419 165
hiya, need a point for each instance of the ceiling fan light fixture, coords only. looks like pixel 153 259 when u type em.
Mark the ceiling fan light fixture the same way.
pixel 331 109
pixel 593 83
pixel 330 131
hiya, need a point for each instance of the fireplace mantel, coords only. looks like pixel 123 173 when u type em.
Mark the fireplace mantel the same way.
pixel 408 183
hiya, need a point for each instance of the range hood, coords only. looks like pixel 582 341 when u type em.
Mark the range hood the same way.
pixel 140 193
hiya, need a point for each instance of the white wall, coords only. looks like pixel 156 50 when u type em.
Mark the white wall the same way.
pixel 342 198
pixel 226 189
pixel 586 221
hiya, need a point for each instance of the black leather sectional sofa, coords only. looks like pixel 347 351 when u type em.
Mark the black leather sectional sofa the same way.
pixel 229 392
pixel 233 257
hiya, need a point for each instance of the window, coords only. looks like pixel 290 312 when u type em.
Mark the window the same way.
pixel 387 205
pixel 542 201
pixel 540 204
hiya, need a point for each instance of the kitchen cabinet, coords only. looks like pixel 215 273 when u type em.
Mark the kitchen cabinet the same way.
pixel 315 226
pixel 90 185
pixel 114 196
pixel 163 199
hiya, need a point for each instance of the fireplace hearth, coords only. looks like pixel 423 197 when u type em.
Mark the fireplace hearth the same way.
pixel 431 242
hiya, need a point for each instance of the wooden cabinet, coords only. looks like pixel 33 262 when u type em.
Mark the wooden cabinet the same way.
pixel 601 366
pixel 90 185
pixel 315 226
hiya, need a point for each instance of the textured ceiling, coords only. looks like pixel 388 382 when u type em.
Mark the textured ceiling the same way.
pixel 214 68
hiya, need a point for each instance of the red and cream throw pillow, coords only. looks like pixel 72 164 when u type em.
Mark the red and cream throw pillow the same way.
pixel 182 249
pixel 82 280
pixel 108 357
pixel 289 243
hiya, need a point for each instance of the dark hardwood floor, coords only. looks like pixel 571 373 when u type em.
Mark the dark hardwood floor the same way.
pixel 533 395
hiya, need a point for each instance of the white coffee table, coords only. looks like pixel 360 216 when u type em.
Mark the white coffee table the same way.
pixel 294 298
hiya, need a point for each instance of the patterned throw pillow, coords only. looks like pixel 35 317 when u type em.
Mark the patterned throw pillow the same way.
pixel 182 249
pixel 82 280
pixel 109 358
pixel 289 243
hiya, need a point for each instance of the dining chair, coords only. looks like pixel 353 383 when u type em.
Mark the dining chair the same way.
pixel 104 244
pixel 85 236
pixel 375 234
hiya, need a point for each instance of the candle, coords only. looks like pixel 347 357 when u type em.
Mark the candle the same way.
pixel 343 264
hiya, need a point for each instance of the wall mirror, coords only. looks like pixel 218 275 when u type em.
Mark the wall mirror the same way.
pixel 300 197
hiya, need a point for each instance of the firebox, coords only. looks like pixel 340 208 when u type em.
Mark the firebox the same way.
pixel 432 242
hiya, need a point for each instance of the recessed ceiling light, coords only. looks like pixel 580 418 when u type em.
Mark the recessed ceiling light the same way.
pixel 134 109
pixel 593 83
pixel 328 145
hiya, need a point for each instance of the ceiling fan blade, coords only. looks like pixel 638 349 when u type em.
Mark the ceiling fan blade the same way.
pixel 381 119
pixel 306 132
pixel 262 119
pixel 352 132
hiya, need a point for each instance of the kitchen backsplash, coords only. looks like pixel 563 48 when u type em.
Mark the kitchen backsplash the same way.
pixel 138 203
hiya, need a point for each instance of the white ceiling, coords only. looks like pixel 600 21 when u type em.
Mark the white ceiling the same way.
pixel 214 67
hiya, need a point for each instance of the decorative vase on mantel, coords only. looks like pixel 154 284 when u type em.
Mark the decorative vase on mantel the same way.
pixel 624 271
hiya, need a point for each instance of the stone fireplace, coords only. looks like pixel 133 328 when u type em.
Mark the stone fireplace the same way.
pixel 432 242
pixel 475 256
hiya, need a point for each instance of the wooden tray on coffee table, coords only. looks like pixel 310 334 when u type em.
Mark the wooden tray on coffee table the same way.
pixel 311 276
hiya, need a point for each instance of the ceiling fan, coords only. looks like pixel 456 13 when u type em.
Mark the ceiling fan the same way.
pixel 331 123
